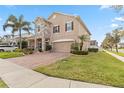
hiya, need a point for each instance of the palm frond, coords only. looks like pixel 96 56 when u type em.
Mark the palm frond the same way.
pixel 83 37
pixel 21 19
pixel 26 26
pixel 12 18
pixel 15 29
pixel 25 23
pixel 10 22
pixel 7 25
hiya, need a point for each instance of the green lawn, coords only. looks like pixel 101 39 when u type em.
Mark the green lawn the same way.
pixel 10 54
pixel 100 68
pixel 2 84
pixel 118 53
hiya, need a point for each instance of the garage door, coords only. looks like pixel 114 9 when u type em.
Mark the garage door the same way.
pixel 62 46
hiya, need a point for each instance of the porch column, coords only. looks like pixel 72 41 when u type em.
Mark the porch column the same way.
pixel 35 39
pixel 43 41
pixel 43 44
pixel 35 44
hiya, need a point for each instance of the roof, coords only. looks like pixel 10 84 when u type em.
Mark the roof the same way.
pixel 46 21
pixel 76 17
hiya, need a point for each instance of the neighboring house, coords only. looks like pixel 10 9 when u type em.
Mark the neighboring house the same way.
pixel 60 30
pixel 6 40
pixel 13 40
pixel 93 44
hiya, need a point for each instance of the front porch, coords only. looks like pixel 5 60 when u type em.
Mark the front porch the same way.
pixel 38 44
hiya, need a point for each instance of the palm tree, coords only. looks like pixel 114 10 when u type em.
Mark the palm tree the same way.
pixel 17 25
pixel 83 38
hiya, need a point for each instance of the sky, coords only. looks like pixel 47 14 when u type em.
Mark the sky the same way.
pixel 98 19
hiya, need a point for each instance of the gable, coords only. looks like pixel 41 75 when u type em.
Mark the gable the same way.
pixel 55 14
pixel 40 20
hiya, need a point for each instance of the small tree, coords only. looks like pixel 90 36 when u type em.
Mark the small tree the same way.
pixel 83 38
pixel 108 41
pixel 116 38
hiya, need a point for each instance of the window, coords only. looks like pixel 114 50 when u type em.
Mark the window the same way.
pixel 56 29
pixel 69 26
pixel 38 28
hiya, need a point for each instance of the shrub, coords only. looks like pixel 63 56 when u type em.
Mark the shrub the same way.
pixel 18 50
pixel 24 44
pixel 93 49
pixel 48 47
pixel 80 52
pixel 40 49
pixel 28 51
pixel 75 47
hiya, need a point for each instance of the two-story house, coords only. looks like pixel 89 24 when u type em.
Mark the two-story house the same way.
pixel 60 30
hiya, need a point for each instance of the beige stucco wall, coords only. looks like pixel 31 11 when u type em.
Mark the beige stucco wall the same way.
pixel 59 19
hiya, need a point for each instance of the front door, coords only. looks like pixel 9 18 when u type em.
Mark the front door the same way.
pixel 39 43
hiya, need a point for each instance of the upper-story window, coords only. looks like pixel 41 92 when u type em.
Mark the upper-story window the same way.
pixel 56 29
pixel 69 26
pixel 38 28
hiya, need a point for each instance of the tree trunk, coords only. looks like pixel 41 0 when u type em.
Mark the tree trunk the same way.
pixel 111 48
pixel 81 45
pixel 116 47
pixel 20 41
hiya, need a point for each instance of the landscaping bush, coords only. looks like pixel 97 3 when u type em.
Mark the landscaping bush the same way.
pixel 75 47
pixel 40 50
pixel 80 52
pixel 24 44
pixel 93 49
pixel 18 50
pixel 48 47
pixel 28 51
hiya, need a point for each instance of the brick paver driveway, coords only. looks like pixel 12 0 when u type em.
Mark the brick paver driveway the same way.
pixel 37 59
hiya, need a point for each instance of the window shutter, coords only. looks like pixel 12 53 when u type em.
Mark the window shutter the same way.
pixel 72 25
pixel 58 28
pixel 65 26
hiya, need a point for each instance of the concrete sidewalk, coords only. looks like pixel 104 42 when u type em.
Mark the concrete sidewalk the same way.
pixel 116 56
pixel 16 76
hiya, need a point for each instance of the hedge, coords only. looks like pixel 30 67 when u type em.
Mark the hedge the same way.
pixel 93 49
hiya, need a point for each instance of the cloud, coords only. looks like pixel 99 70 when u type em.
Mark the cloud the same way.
pixel 119 18
pixel 104 7
pixel 114 25
pixel 113 20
